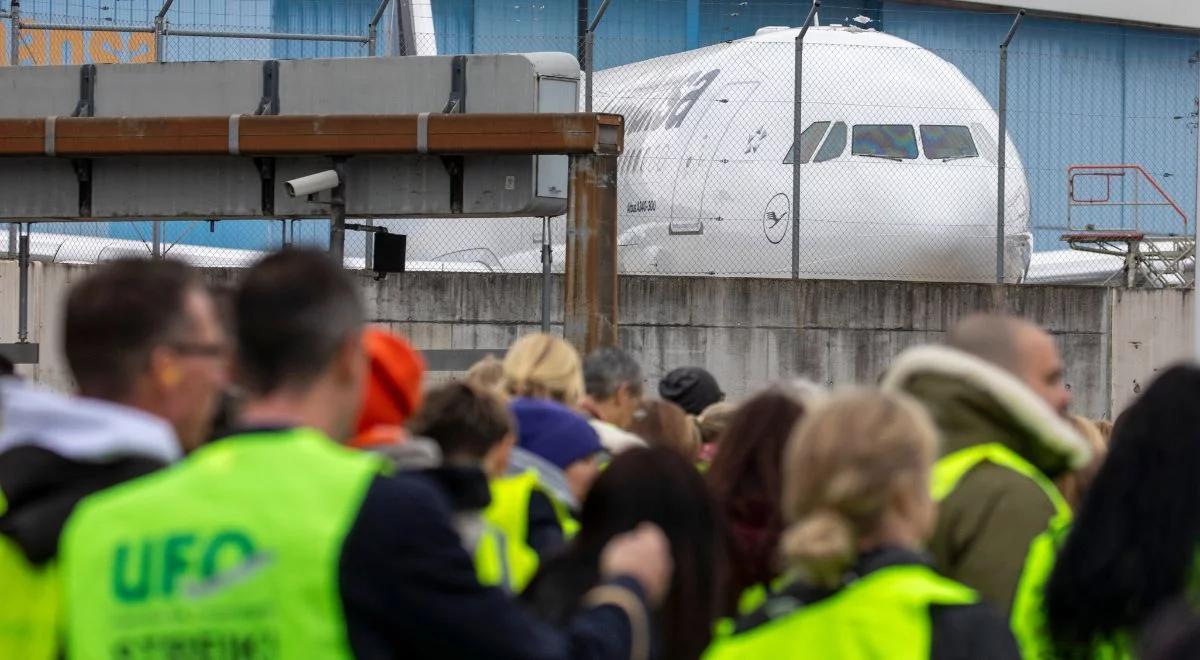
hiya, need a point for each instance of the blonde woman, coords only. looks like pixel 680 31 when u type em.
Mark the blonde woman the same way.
pixel 557 453
pixel 857 505
pixel 541 366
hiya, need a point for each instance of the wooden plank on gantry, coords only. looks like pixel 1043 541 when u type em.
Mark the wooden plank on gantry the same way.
pixel 313 135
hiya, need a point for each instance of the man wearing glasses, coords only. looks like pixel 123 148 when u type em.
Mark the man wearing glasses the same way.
pixel 149 357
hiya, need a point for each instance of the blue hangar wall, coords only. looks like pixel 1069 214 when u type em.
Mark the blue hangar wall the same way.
pixel 1079 93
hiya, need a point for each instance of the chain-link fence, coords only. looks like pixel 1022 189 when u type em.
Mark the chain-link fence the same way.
pixel 897 174
pixel 899 169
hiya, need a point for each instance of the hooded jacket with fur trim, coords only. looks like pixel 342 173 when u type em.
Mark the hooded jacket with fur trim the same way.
pixel 985 526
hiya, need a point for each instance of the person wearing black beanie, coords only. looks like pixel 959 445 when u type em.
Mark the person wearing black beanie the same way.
pixel 690 388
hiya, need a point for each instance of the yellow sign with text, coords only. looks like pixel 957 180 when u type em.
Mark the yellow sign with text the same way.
pixel 39 47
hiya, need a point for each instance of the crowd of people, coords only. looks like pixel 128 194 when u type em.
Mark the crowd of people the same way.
pixel 255 472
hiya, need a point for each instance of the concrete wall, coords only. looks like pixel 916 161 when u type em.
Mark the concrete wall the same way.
pixel 748 332
pixel 752 332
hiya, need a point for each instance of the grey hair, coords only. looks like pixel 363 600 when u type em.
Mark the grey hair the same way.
pixel 606 369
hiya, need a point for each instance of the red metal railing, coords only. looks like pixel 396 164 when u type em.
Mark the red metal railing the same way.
pixel 1110 172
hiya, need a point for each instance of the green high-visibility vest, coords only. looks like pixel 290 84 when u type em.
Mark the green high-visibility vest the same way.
pixel 882 615
pixel 29 606
pixel 504 561
pixel 509 509
pixel 232 553
pixel 1028 618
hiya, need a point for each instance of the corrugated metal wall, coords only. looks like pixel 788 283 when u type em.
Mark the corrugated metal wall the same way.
pixel 1078 92
pixel 320 17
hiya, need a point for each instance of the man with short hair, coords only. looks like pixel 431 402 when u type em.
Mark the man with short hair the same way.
pixel 475 434
pixel 996 395
pixel 146 334
pixel 612 382
pixel 1019 347
pixel 276 542
pixel 144 343
pixel 471 426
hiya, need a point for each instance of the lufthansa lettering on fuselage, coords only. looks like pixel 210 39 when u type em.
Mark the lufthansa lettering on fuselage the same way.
pixel 665 105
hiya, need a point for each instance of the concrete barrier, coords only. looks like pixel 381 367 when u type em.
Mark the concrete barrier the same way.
pixel 748 332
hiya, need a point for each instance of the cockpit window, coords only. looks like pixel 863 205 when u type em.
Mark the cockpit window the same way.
pixel 895 141
pixel 834 145
pixel 947 142
pixel 987 146
pixel 809 139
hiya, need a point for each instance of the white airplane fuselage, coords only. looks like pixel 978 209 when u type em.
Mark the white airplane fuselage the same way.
pixel 898 179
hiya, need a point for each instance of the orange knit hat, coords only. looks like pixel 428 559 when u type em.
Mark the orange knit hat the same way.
pixel 393 390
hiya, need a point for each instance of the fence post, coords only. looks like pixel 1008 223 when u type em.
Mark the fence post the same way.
pixel 337 216
pixel 160 56
pixel 14 41
pixel 1196 226
pixel 23 285
pixel 589 55
pixel 797 129
pixel 1002 140
pixel 160 37
pixel 373 27
pixel 547 256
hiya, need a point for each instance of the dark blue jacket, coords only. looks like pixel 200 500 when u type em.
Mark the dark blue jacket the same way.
pixel 409 590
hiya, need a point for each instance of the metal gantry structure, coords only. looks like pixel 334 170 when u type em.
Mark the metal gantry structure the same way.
pixel 592 142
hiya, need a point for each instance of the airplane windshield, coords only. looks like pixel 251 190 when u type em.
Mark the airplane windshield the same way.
pixel 809 139
pixel 834 145
pixel 947 142
pixel 897 141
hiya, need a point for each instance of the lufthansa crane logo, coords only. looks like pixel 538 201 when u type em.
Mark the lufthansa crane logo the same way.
pixel 776 218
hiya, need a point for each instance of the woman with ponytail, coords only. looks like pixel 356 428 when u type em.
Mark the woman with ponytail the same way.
pixel 857 509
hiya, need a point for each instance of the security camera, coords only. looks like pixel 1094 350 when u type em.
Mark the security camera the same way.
pixel 313 183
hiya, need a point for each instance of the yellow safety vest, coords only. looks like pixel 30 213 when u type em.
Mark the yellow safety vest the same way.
pixel 504 556
pixel 882 615
pixel 1028 618
pixel 232 553
pixel 29 606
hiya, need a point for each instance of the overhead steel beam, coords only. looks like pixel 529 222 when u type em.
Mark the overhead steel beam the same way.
pixel 316 135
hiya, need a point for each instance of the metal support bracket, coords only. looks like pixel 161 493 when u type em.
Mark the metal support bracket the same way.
pixel 266 172
pixel 268 105
pixel 456 104
pixel 85 107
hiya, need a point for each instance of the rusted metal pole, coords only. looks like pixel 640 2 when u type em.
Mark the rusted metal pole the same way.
pixel 590 306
